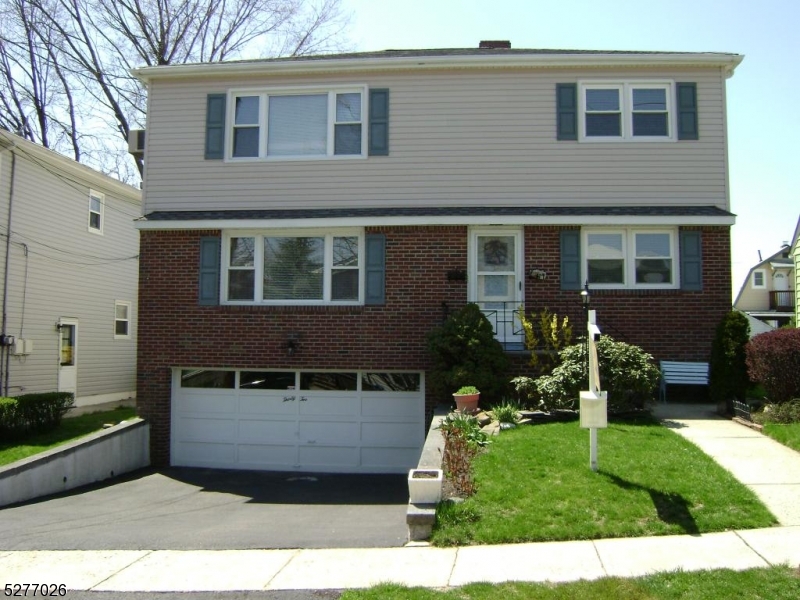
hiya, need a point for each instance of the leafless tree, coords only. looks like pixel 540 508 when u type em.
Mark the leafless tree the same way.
pixel 85 49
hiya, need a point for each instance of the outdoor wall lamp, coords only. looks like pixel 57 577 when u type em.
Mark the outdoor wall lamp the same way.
pixel 585 298
pixel 537 274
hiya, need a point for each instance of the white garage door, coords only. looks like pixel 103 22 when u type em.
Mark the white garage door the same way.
pixel 347 422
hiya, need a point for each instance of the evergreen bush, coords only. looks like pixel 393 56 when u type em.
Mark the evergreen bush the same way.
pixel 727 371
pixel 32 413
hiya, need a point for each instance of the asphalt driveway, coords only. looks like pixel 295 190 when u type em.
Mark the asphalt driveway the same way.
pixel 209 509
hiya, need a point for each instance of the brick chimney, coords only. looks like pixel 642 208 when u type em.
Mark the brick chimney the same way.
pixel 495 44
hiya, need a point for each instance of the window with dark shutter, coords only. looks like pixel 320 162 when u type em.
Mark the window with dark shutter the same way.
pixel 687 111
pixel 215 126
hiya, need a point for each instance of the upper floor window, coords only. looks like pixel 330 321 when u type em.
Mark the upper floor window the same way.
pixel 285 267
pixel 298 124
pixel 630 258
pixel 759 280
pixel 122 320
pixel 96 204
pixel 626 111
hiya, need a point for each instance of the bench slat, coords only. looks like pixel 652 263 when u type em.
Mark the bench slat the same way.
pixel 682 373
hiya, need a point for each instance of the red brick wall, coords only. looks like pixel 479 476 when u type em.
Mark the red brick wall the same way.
pixel 175 331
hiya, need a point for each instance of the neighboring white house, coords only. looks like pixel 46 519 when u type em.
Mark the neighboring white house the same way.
pixel 68 276
pixel 769 291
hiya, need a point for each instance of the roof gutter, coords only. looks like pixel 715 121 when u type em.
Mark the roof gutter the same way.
pixel 727 62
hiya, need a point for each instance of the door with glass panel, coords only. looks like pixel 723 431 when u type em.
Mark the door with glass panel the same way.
pixel 496 280
pixel 67 355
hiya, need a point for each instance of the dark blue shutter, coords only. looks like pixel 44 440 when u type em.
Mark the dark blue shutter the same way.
pixel 687 111
pixel 571 259
pixel 567 111
pixel 691 249
pixel 215 126
pixel 209 271
pixel 378 122
pixel 375 292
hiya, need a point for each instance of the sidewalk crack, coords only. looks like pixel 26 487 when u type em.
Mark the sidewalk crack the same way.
pixel 118 571
pixel 761 556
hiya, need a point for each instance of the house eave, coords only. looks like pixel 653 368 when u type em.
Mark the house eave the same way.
pixel 422 220
pixel 727 62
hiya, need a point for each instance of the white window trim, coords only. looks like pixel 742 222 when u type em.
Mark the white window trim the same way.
pixel 102 198
pixel 472 251
pixel 260 234
pixel 629 258
pixel 263 114
pixel 128 320
pixel 626 108
pixel 763 285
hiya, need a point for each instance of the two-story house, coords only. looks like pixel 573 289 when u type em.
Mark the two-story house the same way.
pixel 69 276
pixel 768 292
pixel 309 220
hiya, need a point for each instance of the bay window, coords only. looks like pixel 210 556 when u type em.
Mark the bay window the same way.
pixel 293 267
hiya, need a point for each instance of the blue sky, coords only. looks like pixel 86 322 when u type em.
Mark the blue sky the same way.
pixel 763 94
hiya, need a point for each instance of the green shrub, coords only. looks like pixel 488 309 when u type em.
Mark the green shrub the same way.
pixel 463 439
pixel 32 413
pixel 506 412
pixel 545 337
pixel 773 360
pixel 464 352
pixel 784 413
pixel 627 373
pixel 727 372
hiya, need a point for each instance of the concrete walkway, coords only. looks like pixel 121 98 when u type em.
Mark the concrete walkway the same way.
pixel 768 468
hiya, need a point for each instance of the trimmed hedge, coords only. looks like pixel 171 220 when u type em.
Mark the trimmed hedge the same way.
pixel 28 414
pixel 727 375
pixel 773 360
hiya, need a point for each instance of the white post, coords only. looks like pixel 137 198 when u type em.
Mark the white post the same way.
pixel 593 403
pixel 593 448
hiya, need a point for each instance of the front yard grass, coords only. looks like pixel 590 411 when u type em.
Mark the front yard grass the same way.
pixel 786 434
pixel 70 429
pixel 774 583
pixel 534 484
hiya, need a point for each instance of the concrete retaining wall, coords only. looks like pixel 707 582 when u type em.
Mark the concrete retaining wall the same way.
pixel 119 449
pixel 421 517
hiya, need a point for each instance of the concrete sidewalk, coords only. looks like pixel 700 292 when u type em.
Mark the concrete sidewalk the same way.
pixel 767 467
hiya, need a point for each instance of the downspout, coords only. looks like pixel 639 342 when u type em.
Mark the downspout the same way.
pixel 5 355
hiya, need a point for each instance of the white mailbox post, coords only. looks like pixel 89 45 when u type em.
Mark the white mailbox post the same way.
pixel 593 402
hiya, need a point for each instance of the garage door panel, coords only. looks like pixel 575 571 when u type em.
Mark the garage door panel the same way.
pixel 202 401
pixel 267 405
pixel 389 460
pixel 329 405
pixel 274 456
pixel 327 457
pixel 207 429
pixel 395 405
pixel 327 432
pixel 390 434
pixel 192 454
pixel 268 431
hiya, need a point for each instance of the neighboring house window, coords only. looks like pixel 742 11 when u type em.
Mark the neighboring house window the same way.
pixel 285 267
pixel 626 111
pixel 96 204
pixel 122 320
pixel 630 258
pixel 759 280
pixel 277 124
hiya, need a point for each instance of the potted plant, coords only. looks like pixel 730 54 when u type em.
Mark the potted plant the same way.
pixel 467 399
pixel 425 486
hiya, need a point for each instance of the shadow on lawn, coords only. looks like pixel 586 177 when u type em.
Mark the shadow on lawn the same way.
pixel 671 508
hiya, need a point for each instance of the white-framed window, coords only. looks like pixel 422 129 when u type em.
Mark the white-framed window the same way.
pixel 122 320
pixel 96 205
pixel 630 258
pixel 297 123
pixel 293 267
pixel 632 111
pixel 759 279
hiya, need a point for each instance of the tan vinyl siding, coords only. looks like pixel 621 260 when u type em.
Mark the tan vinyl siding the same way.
pixel 60 269
pixel 469 137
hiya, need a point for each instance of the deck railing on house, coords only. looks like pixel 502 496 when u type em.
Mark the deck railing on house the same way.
pixel 505 321
pixel 783 300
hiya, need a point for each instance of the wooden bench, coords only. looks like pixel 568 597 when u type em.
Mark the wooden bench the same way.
pixel 682 373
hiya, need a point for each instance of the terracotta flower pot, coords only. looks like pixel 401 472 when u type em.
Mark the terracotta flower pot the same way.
pixel 466 403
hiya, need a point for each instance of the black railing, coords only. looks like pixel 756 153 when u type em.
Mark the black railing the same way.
pixel 783 300
pixel 742 410
pixel 504 317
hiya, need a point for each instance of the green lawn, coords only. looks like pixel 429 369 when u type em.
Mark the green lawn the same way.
pixel 786 434
pixel 776 583
pixel 69 429
pixel 534 484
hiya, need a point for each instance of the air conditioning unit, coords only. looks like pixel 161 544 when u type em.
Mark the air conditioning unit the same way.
pixel 136 142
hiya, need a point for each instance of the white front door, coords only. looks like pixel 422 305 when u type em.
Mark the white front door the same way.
pixel 68 355
pixel 496 279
